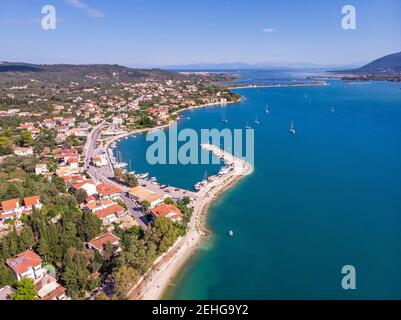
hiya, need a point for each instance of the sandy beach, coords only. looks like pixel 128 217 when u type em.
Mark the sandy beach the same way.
pixel 158 279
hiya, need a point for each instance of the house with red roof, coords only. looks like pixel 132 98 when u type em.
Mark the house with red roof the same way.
pixel 12 209
pixel 26 264
pixel 88 185
pixel 108 191
pixel 110 214
pixel 168 211
pixel 99 161
pixel 31 202
pixel 99 243
pixel 93 205
pixel 48 288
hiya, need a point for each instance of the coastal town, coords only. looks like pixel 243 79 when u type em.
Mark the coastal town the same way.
pixel 74 224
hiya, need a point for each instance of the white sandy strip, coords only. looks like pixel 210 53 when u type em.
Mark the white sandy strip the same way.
pixel 158 279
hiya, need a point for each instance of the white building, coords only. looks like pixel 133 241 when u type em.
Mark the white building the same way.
pixel 23 151
pixel 27 264
pixel 40 168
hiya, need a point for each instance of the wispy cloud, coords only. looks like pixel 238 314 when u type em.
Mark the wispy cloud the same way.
pixel 92 12
pixel 267 30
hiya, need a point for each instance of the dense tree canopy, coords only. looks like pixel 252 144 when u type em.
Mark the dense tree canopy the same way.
pixel 25 290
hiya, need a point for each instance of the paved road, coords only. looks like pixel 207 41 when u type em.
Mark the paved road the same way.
pixel 106 174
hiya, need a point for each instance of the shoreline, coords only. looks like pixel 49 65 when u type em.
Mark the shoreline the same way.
pixel 306 84
pixel 155 283
pixel 112 139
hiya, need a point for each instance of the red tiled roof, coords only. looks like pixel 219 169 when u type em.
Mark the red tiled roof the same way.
pixel 10 204
pixel 30 201
pixel 164 210
pixel 72 160
pixel 101 241
pixel 107 189
pixel 113 209
pixel 81 184
pixel 22 262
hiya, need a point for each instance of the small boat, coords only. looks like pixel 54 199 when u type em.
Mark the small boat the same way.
pixel 256 120
pixel 292 129
pixel 224 119
pixel 231 233
pixel 248 126
pixel 332 110
pixel 267 110
pixel 142 175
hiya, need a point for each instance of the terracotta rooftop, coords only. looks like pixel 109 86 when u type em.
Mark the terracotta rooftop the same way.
pixel 113 209
pixel 25 260
pixel 81 184
pixel 108 189
pixel 30 201
pixel 167 210
pixel 101 241
pixel 10 204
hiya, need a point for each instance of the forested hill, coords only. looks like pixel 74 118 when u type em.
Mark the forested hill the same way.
pixel 86 72
pixel 389 63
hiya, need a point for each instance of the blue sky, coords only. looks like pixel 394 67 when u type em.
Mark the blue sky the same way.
pixel 166 32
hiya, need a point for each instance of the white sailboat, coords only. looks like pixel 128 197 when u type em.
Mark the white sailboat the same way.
pixel 224 119
pixel 292 128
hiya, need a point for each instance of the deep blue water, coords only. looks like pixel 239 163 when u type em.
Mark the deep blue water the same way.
pixel 327 197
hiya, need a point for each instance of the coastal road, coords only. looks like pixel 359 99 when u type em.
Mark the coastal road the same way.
pixel 106 174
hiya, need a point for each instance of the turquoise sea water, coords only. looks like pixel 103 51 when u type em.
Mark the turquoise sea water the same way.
pixel 327 197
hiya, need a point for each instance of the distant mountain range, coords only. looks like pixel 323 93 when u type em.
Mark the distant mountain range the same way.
pixel 389 63
pixel 256 66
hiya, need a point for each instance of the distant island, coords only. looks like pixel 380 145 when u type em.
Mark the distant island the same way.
pixel 386 68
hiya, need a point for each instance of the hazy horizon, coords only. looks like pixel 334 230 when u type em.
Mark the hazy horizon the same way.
pixel 175 33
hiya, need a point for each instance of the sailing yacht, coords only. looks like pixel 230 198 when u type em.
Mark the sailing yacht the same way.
pixel 267 110
pixel 256 120
pixel 292 129
pixel 224 120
